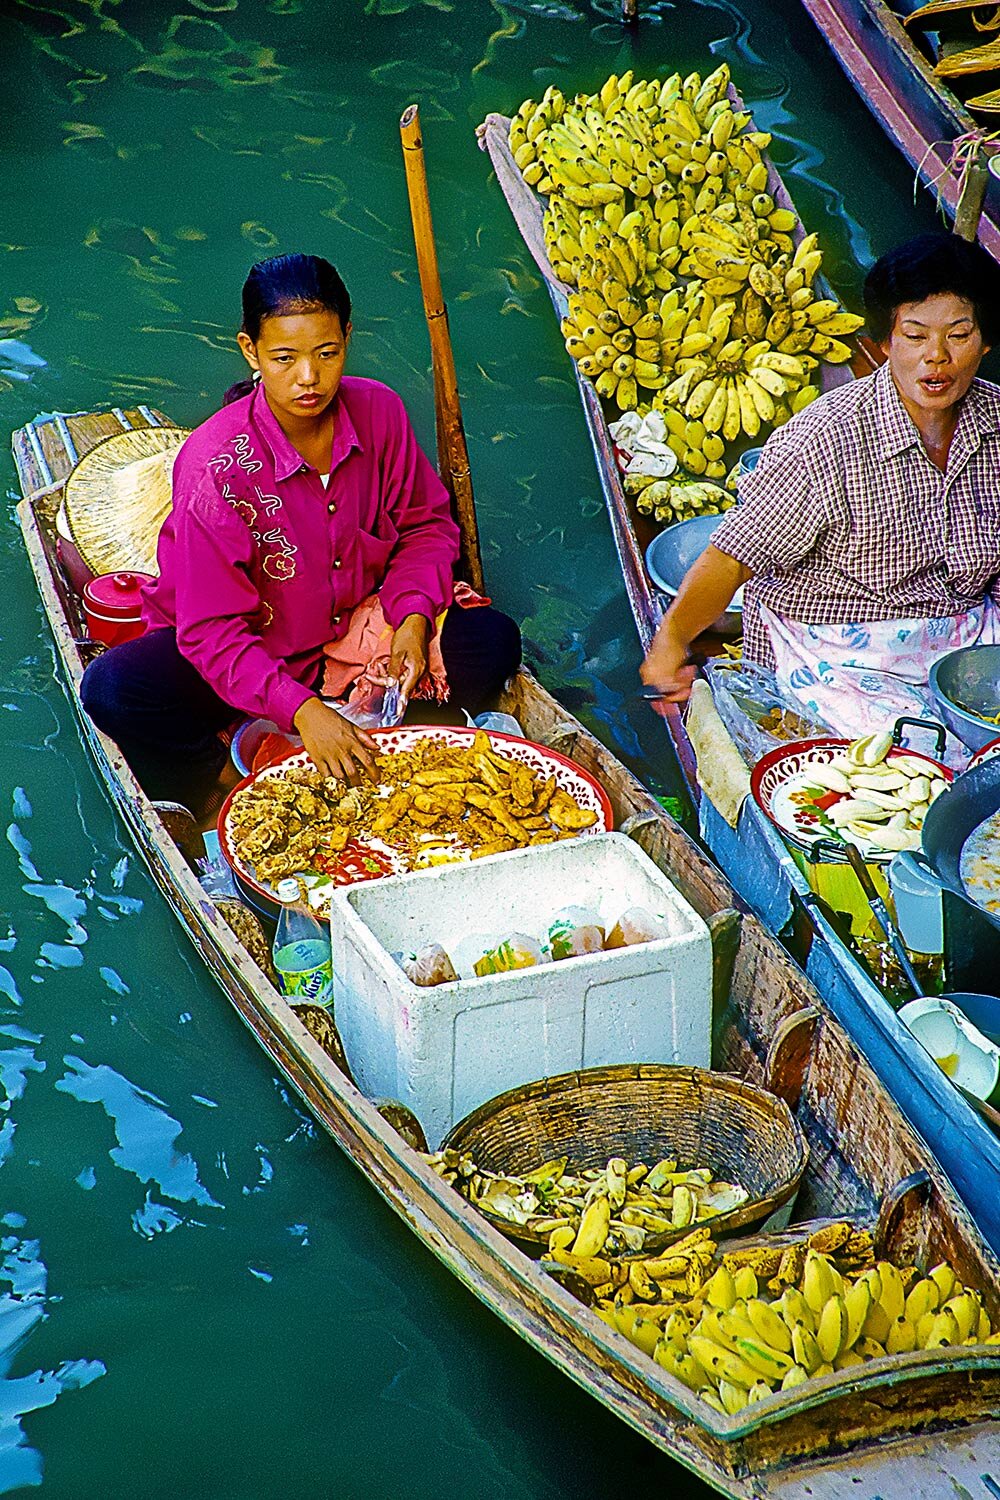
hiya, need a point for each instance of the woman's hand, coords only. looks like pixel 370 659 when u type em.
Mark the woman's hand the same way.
pixel 335 744
pixel 706 591
pixel 408 657
pixel 667 668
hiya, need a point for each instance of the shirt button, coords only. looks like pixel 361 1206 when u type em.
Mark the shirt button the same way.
pixel 336 562
pixel 331 507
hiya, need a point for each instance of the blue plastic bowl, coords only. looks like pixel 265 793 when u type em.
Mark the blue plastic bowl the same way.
pixel 965 684
pixel 670 554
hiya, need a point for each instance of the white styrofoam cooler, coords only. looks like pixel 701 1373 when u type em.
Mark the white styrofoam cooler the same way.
pixel 444 1050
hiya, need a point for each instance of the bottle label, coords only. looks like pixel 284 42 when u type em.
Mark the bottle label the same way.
pixel 305 971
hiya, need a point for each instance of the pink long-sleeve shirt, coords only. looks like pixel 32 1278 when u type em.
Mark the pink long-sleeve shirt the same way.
pixel 260 566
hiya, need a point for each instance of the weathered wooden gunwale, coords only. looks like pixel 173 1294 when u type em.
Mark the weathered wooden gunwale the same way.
pixel 918 112
pixel 911 1425
pixel 964 1144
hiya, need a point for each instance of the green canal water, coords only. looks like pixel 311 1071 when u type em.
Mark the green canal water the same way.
pixel 199 1296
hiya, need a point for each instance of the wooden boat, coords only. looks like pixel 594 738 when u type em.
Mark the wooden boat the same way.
pixel 754 857
pixel 922 1423
pixel 918 112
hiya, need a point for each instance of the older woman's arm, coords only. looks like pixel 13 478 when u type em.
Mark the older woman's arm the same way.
pixel 706 591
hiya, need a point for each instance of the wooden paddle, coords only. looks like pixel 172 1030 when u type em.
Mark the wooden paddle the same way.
pixel 453 453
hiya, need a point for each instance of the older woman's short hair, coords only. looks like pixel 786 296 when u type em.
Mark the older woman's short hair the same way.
pixel 926 266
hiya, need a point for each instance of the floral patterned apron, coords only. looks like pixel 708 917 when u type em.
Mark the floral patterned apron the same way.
pixel 862 675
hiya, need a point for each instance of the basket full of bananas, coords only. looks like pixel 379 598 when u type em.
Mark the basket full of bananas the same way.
pixel 631 1155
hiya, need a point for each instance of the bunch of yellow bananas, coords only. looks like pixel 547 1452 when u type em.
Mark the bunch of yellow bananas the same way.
pixel 659 209
pixel 672 499
pixel 719 1332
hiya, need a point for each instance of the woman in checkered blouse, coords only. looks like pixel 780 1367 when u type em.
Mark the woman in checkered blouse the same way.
pixel 868 537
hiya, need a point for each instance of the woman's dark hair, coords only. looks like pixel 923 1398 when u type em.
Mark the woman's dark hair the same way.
pixel 289 284
pixel 925 266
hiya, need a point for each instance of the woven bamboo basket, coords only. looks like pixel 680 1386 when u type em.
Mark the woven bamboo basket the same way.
pixel 643 1112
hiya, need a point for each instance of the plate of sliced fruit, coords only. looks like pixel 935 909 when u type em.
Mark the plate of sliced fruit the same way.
pixel 823 794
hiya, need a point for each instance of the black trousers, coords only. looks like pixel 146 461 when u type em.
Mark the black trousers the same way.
pixel 166 720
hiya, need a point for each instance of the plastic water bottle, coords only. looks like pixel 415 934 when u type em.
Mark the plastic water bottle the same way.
pixel 301 950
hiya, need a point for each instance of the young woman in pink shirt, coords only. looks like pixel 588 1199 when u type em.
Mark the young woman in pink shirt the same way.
pixel 308 533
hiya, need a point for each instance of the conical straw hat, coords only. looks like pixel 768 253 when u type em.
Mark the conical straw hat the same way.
pixel 118 496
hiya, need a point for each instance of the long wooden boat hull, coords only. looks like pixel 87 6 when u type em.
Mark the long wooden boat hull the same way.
pixel 919 1425
pixel 918 112
pixel 754 856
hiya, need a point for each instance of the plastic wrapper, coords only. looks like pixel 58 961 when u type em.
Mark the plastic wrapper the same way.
pixel 637 925
pixel 515 952
pixel 574 931
pixel 756 710
pixel 380 705
pixel 429 966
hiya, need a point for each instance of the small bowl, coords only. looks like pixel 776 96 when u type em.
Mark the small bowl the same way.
pixel 671 553
pixel 257 742
pixel 965 684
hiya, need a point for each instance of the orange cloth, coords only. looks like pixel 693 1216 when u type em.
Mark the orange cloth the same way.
pixel 359 660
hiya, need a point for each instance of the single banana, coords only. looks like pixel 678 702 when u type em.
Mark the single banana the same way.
pixel 594 1224
pixel 832 1332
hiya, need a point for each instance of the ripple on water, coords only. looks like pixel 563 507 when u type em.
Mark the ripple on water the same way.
pixel 22 1309
pixel 146 1133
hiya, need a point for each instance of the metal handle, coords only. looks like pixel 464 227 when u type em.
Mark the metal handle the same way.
pixel 937 729
pixel 882 917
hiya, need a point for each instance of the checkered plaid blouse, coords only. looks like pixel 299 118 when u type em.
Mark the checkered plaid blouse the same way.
pixel 845 517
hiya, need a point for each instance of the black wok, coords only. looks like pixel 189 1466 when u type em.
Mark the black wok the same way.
pixel 968 801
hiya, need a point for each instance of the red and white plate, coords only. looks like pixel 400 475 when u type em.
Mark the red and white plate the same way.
pixel 367 858
pixel 988 752
pixel 780 786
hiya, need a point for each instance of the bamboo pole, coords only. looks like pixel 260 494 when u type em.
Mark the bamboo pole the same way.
pixel 973 195
pixel 453 453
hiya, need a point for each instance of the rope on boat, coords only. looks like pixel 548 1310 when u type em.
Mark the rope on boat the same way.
pixel 965 152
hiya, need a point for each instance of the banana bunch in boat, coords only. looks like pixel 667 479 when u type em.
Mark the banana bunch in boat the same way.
pixel 771 1318
pixel 866 793
pixel 774 294
pixel 651 182
pixel 677 498
pixel 611 1211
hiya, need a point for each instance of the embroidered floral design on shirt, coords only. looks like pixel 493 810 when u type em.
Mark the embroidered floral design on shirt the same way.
pixel 280 566
pixel 278 552
pixel 243 507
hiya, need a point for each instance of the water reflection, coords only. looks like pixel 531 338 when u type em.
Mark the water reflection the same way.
pixel 144 1131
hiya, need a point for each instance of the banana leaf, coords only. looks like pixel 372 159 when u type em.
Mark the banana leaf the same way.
pixel 974 60
pixel 927 17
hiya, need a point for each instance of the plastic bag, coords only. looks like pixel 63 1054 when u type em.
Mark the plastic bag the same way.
pixel 755 709
pixel 380 706
pixel 637 925
pixel 516 952
pixel 575 931
pixel 430 965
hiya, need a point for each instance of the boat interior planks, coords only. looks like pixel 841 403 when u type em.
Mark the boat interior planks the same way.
pixel 753 855
pixel 919 1416
pixel 917 111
